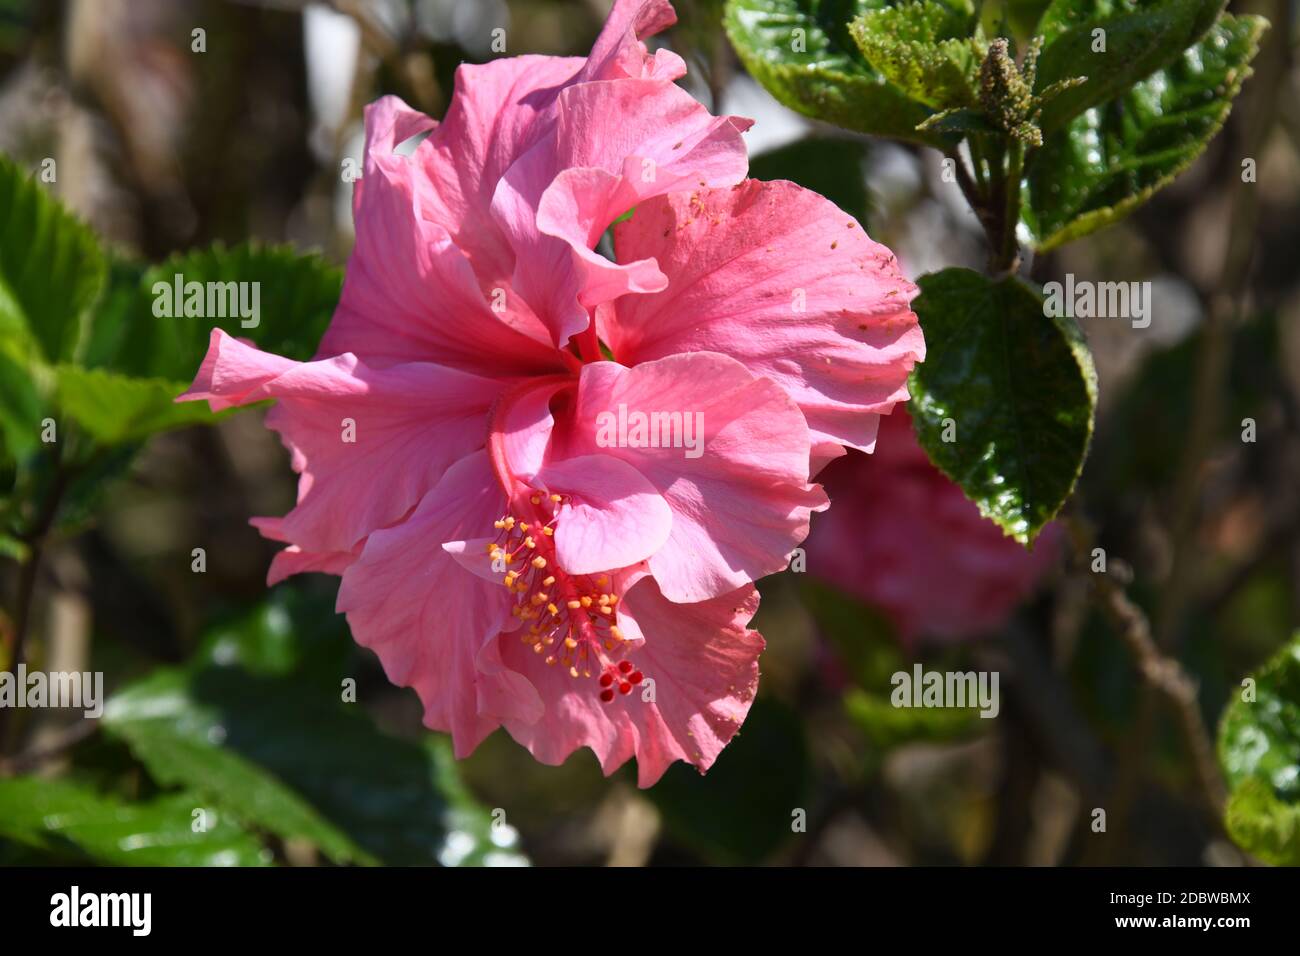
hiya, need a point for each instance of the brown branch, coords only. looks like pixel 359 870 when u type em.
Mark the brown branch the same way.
pixel 1162 674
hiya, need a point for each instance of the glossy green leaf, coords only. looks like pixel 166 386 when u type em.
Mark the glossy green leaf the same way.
pixel 1140 36
pixel 73 823
pixel 285 756
pixel 52 270
pixel 1259 750
pixel 801 51
pixel 1015 389
pixel 925 49
pixel 1113 158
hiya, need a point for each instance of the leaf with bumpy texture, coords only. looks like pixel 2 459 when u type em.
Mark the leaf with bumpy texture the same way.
pixel 801 51
pixel 1113 158
pixel 925 50
pixel 1019 388
pixel 1141 36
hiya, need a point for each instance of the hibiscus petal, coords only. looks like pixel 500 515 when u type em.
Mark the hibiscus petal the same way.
pixel 780 279
pixel 410 292
pixel 704 664
pixel 294 560
pixel 613 517
pixel 740 497
pixel 615 143
pixel 408 423
pixel 433 624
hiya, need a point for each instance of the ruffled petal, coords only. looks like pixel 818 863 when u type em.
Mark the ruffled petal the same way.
pixel 368 442
pixel 703 662
pixel 615 143
pixel 432 623
pixel 410 293
pixel 732 464
pixel 780 279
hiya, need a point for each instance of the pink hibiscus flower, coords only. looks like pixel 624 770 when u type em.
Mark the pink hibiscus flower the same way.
pixel 906 540
pixel 513 542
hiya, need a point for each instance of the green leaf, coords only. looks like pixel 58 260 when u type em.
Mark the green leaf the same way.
pixel 21 409
pixel 1113 158
pixel 1259 750
pixel 115 409
pixel 832 167
pixel 1141 36
pixel 1019 388
pixel 296 296
pixel 801 51
pixel 72 821
pixel 925 49
pixel 51 269
pixel 286 757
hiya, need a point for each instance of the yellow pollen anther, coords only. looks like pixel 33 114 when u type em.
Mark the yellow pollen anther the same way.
pixel 616 632
pixel 556 498
pixel 570 643
pixel 549 532
pixel 537 499
pixel 548 581
pixel 529 542
pixel 553 609
pixel 586 601
pixel 573 672
pixel 523 526
pixel 498 525
pixel 574 605
pixel 602 581
pixel 539 562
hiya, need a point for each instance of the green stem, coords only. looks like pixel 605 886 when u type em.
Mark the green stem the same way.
pixel 1007 254
pixel 27 579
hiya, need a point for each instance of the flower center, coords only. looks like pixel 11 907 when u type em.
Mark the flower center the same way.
pixel 571 618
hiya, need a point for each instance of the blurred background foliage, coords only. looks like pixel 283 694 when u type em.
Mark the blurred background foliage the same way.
pixel 224 695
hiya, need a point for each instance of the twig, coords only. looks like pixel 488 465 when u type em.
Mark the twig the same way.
pixel 1162 674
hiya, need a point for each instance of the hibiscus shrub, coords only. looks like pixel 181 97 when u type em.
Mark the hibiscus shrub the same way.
pixel 588 376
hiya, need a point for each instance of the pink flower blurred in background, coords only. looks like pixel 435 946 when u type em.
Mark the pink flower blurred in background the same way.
pixel 903 538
